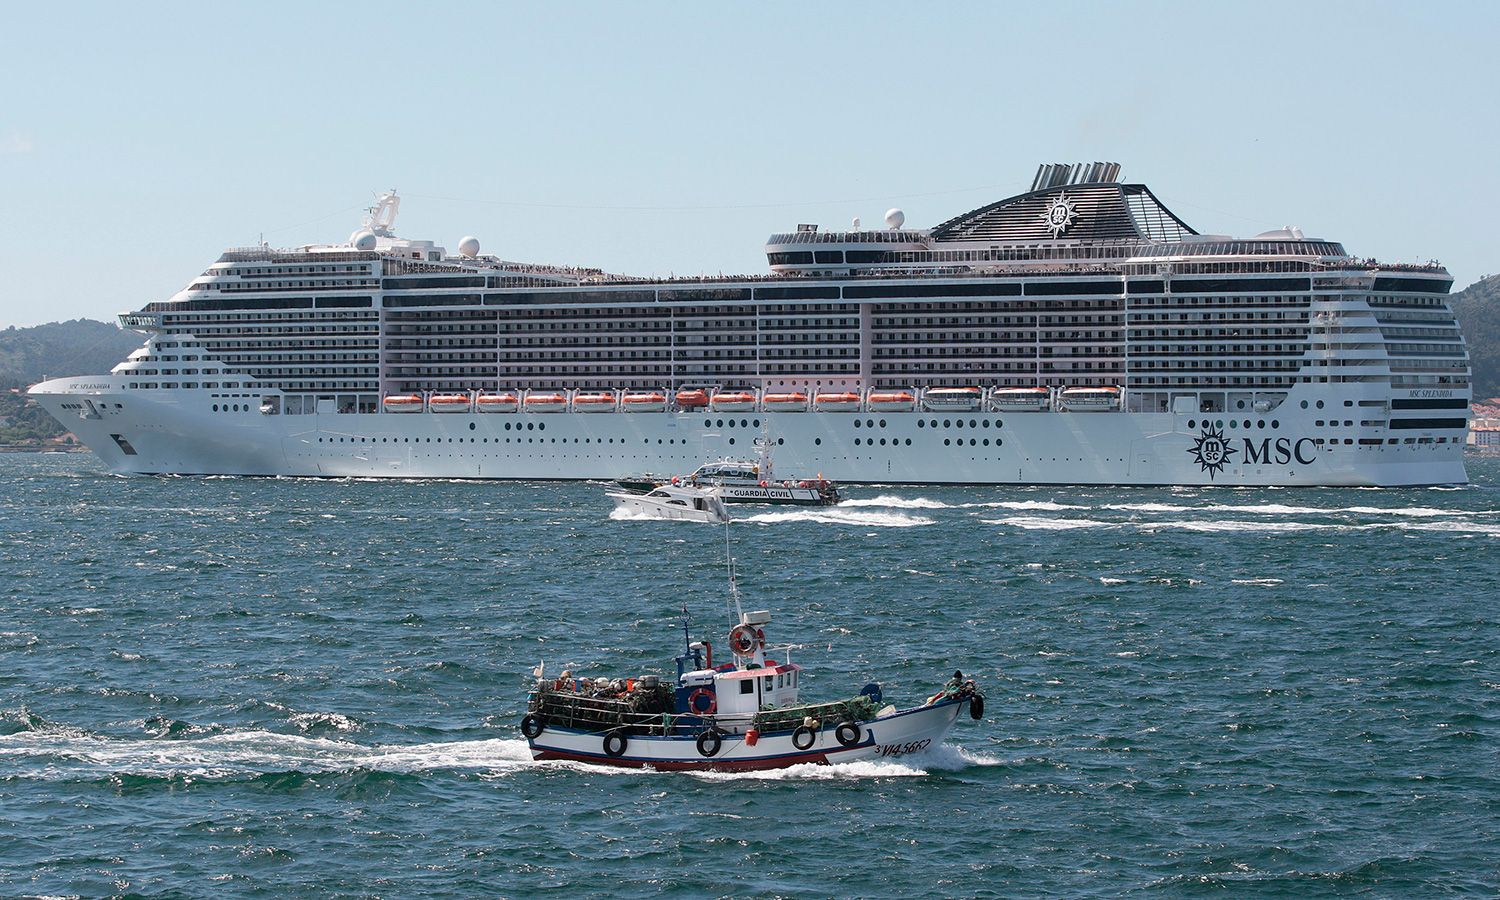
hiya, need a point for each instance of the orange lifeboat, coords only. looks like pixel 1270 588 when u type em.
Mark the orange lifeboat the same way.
pixel 448 403
pixel 891 401
pixel 492 403
pixel 644 401
pixel 546 402
pixel 837 401
pixel 693 399
pixel 403 403
pixel 594 402
pixel 796 401
pixel 734 401
pixel 1083 399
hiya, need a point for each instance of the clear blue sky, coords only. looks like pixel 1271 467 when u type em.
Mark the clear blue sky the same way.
pixel 139 140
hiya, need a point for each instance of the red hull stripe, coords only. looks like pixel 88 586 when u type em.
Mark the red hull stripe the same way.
pixel 717 765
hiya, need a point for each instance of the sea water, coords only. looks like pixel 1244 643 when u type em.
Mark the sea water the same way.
pixel 271 687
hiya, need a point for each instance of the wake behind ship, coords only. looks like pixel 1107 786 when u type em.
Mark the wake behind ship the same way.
pixel 1077 333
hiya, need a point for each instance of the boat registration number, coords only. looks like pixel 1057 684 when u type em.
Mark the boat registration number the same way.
pixel 903 749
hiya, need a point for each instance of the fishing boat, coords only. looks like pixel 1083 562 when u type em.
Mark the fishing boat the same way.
pixel 672 501
pixel 737 716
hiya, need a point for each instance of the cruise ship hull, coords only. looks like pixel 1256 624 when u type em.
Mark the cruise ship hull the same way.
pixel 181 432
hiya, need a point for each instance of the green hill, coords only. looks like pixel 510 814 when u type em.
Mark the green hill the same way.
pixel 80 347
pixel 1478 310
pixel 28 355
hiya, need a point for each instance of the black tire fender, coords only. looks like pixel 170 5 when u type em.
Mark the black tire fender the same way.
pixel 532 725
pixel 615 743
pixel 709 742
pixel 847 734
pixel 804 737
pixel 976 707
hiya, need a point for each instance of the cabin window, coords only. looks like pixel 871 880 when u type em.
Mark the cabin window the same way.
pixel 746 686
pixel 768 682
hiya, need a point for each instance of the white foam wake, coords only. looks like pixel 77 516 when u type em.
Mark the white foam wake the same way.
pixel 1042 523
pixel 833 515
pixel 1043 505
pixel 894 502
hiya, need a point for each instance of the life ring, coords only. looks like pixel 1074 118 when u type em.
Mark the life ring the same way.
pixel 709 742
pixel 744 640
pixel 976 707
pixel 713 702
pixel 615 743
pixel 847 734
pixel 532 725
pixel 804 737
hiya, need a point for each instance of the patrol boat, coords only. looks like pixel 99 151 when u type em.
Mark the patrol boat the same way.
pixel 736 716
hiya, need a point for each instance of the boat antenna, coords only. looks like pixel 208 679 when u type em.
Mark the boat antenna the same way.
pixel 734 588
pixel 687 638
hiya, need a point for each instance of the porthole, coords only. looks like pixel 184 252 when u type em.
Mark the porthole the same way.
pixel 998 442
pixel 472 426
pixel 957 422
pixel 973 424
pixel 908 442
pixel 507 426
pixel 1260 423
pixel 530 426
pixel 1220 424
pixel 972 442
pixel 1320 404
pixel 780 441
pixel 1239 404
pixel 870 423
pixel 856 423
pixel 921 423
pixel 986 442
pixel 932 424
pixel 216 407
pixel 1275 423
pixel 817 442
pixel 856 442
pixel 755 423
pixel 882 442
pixel 731 442
pixel 708 423
pixel 744 423
pixel 999 423
pixel 1192 424
pixel 947 441
pixel 1304 404
pixel 541 426
pixel 882 423
pixel 947 423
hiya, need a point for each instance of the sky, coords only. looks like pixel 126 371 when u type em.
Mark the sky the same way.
pixel 137 141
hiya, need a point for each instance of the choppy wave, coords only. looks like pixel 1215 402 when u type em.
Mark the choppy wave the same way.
pixel 1044 523
pixel 834 515
pixel 894 502
pixel 1044 505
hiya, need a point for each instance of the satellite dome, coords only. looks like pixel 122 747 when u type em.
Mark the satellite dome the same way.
pixel 469 246
pixel 362 240
pixel 895 218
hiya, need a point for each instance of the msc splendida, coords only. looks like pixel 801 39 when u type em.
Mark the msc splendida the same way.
pixel 1079 332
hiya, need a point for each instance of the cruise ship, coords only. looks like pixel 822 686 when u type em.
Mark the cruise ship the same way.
pixel 1076 333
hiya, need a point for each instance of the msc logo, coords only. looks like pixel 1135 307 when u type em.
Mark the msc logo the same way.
pixel 1212 450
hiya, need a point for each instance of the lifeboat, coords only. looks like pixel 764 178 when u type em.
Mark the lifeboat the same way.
pixel 954 398
pixel 793 402
pixel 692 399
pixel 650 401
pixel 891 401
pixel 546 402
pixel 1089 399
pixel 491 403
pixel 844 401
pixel 734 401
pixel 448 403
pixel 1021 399
pixel 403 403
pixel 594 402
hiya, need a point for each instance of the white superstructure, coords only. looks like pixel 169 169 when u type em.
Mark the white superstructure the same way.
pixel 1075 333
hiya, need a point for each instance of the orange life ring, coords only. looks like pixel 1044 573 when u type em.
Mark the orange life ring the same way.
pixel 692 702
pixel 744 640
